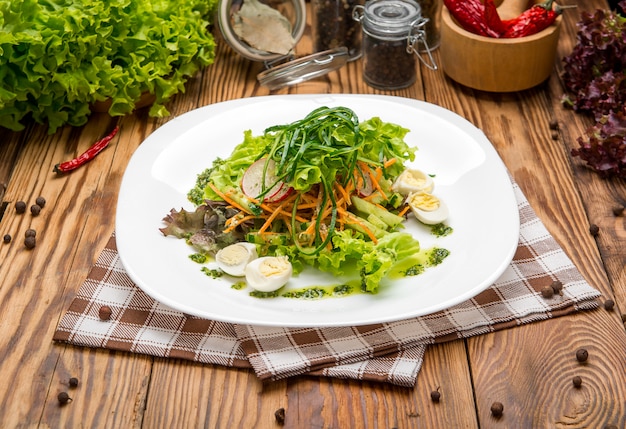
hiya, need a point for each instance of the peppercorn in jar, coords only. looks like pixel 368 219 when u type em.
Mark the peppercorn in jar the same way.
pixel 390 29
pixel 333 27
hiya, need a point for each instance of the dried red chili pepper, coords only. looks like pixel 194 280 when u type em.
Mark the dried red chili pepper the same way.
pixel 492 18
pixel 86 156
pixel 532 21
pixel 470 14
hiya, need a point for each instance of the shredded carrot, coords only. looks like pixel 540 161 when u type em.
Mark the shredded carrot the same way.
pixel 342 191
pixel 270 219
pixel 236 218
pixel 390 162
pixel 350 186
pixel 279 209
pixel 371 196
pixel 379 173
pixel 404 210
pixel 233 222
pixel 304 206
pixel 228 199
pixel 311 226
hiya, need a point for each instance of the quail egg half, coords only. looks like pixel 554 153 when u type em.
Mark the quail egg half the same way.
pixel 268 273
pixel 411 181
pixel 427 208
pixel 233 259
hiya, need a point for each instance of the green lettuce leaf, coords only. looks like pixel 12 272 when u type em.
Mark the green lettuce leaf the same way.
pixel 350 252
pixel 59 57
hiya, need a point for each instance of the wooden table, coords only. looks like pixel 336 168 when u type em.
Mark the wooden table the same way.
pixel 529 369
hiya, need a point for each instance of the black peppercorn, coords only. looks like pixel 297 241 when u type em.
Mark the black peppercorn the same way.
pixel 557 286
pixel 547 292
pixel 609 304
pixel 594 229
pixel 40 201
pixel 577 381
pixel 20 207
pixel 618 210
pixel 105 312
pixel 73 382
pixel 623 317
pixel 30 242
pixel 497 409
pixel 582 355
pixel 435 396
pixel 554 135
pixel 63 398
pixel 554 124
pixel 279 415
pixel 7 238
pixel 35 210
pixel 30 233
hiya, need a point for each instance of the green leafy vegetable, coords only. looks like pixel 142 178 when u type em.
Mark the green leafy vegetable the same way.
pixel 58 57
pixel 372 261
pixel 329 147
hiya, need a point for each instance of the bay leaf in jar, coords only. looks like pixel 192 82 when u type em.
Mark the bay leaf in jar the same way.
pixel 263 27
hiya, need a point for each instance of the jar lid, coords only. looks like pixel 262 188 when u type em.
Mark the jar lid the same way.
pixel 294 11
pixel 391 17
pixel 304 68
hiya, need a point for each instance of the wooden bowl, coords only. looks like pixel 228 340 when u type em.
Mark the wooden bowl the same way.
pixel 497 65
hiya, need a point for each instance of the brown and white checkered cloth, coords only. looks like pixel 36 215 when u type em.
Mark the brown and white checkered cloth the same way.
pixel 390 352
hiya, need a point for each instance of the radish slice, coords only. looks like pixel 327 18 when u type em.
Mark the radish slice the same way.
pixel 253 179
pixel 282 193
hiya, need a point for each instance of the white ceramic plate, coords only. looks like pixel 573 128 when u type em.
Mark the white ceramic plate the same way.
pixel 469 175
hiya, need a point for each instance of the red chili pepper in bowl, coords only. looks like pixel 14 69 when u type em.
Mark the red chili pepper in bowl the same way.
pixel 88 155
pixel 471 16
pixel 492 18
pixel 532 20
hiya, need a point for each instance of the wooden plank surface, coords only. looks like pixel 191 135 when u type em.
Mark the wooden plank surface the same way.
pixel 529 368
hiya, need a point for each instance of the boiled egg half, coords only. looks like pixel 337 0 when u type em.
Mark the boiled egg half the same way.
pixel 268 273
pixel 233 259
pixel 412 180
pixel 427 208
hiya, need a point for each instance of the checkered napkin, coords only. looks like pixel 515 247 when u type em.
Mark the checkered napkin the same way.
pixel 390 352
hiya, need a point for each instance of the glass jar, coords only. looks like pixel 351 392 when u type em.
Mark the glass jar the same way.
pixel 391 29
pixel 293 11
pixel 332 26
pixel 282 69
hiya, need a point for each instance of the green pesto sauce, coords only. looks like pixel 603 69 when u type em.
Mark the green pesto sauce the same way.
pixel 212 273
pixel 317 292
pixel 199 258
pixel 238 285
pixel 441 230
pixel 259 294
pixel 312 292
pixel 418 263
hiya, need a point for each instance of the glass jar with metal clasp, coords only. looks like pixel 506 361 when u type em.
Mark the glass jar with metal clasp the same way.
pixel 391 32
pixel 267 31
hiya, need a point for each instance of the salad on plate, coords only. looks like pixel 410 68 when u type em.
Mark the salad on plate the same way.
pixel 328 192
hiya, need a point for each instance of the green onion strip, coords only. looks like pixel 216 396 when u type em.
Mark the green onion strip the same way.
pixel 316 133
